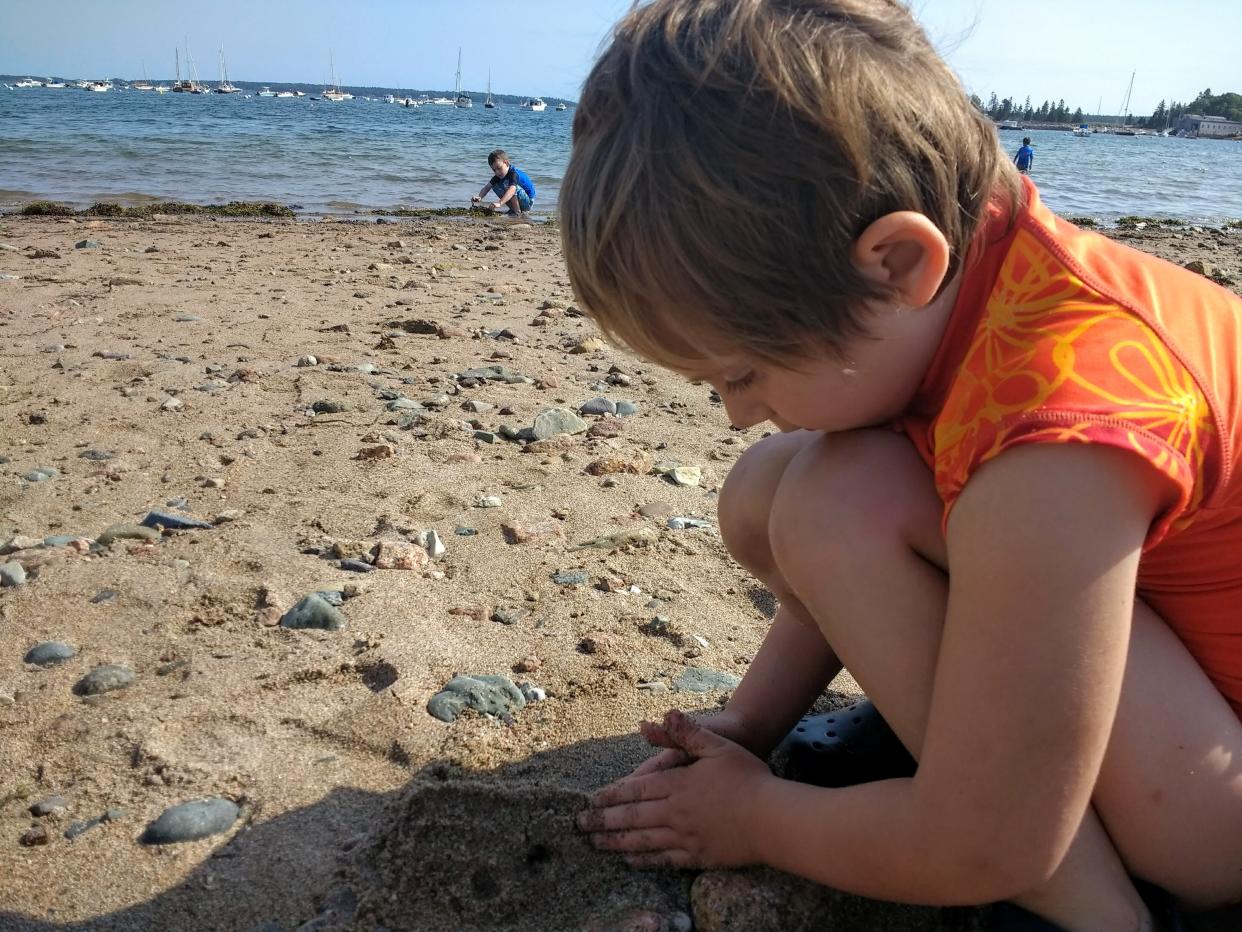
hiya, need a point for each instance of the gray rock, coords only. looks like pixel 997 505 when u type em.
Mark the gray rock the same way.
pixel 50 653
pixel 333 597
pixel 477 407
pixel 571 577
pixel 19 542
pixel 507 616
pixel 61 540
pixel 97 455
pixel 626 409
pixel 486 436
pixel 463 531
pixel 703 680
pixel 431 541
pixel 127 532
pixel 312 611
pixel 356 566
pixel 492 695
pixel 679 523
pixel 104 679
pixel 171 522
pixel 557 421
pixel 86 244
pixel 80 828
pixel 191 821
pixel 327 406
pixel 104 596
pixel 48 806
pixel 172 404
pixel 405 404
pixel 114 815
pixel 495 374
pixel 42 473
pixel 12 574
pixel 599 405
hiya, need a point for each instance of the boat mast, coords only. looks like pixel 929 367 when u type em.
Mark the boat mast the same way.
pixel 458 94
pixel 1125 106
pixel 177 59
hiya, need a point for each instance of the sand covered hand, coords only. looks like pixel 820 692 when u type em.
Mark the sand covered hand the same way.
pixel 682 816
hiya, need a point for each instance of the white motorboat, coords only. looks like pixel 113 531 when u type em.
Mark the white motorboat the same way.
pixel 28 82
pixel 1082 129
pixel 99 86
pixel 533 103
pixel 268 92
pixel 561 106
pixel 55 84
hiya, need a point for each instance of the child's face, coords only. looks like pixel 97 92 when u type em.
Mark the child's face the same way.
pixel 500 168
pixel 871 383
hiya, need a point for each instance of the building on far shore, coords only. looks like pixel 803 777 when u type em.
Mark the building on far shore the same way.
pixel 1191 124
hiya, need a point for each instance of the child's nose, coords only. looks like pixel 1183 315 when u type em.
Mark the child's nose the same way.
pixel 746 412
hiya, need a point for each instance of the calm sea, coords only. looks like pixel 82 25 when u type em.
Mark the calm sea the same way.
pixel 132 146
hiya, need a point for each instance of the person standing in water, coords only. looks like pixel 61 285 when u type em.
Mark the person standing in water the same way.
pixel 1025 157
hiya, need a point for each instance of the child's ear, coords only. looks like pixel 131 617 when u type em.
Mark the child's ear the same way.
pixel 906 253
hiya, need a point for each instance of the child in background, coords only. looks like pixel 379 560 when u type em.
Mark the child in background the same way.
pixel 1025 157
pixel 1006 492
pixel 512 186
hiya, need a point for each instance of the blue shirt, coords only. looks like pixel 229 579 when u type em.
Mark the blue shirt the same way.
pixel 1024 158
pixel 515 176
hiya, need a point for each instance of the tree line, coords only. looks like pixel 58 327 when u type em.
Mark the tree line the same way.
pixel 1228 105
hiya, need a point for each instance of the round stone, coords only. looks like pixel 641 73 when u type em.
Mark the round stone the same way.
pixel 200 818
pixel 104 679
pixel 49 653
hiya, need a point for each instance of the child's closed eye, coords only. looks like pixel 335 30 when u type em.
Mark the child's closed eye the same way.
pixel 741 383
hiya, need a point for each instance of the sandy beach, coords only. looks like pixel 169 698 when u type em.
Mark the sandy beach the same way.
pixel 317 393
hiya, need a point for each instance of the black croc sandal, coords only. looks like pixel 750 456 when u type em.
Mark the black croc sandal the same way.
pixel 844 747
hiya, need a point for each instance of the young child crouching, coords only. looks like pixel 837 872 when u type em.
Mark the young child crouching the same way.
pixel 1006 494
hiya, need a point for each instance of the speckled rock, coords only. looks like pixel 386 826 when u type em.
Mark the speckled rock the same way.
pixel 312 611
pixel 494 695
pixel 104 679
pixel 555 421
pixel 127 532
pixel 703 680
pixel 200 818
pixel 12 574
pixel 172 522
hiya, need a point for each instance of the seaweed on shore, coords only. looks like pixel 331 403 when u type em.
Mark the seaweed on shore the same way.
pixel 1131 222
pixel 426 212
pixel 1083 222
pixel 145 211
pixel 46 209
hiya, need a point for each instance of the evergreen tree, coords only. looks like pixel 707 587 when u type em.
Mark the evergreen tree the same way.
pixel 976 102
pixel 993 106
pixel 1077 119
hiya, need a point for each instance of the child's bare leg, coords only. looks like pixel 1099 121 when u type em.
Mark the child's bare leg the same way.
pixel 854 531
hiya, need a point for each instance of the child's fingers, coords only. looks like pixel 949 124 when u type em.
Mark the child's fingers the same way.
pixel 665 760
pixel 657 735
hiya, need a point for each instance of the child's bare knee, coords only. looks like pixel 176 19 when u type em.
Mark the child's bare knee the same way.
pixel 846 494
pixel 746 499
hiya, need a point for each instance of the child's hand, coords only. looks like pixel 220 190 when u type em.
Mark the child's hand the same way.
pixel 687 816
pixel 475 199
pixel 723 723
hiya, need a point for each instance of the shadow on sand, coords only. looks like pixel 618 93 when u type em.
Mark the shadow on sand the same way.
pixel 456 850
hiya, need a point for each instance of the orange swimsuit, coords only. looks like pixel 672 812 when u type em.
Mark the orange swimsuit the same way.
pixel 1060 335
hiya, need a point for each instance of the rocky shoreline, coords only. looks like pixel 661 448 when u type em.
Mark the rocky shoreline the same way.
pixel 339 559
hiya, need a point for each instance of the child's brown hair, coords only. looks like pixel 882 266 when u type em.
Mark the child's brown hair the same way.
pixel 727 153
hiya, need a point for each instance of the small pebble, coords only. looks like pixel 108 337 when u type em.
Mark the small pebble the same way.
pixel 49 806
pixel 312 611
pixel 12 574
pixel 104 596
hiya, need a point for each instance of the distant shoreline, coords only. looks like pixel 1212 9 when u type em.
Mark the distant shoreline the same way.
pixel 113 210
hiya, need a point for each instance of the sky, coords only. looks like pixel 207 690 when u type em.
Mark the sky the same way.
pixel 1081 50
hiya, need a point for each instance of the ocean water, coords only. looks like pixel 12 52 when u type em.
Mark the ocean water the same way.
pixel 132 146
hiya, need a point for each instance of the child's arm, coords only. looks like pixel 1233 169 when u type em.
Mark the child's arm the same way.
pixel 482 192
pixel 512 189
pixel 1044 546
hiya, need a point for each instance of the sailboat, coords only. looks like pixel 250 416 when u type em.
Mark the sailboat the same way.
pixel 188 86
pixel 225 86
pixel 144 84
pixel 1125 130
pixel 334 93
pixel 460 98
pixel 489 103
